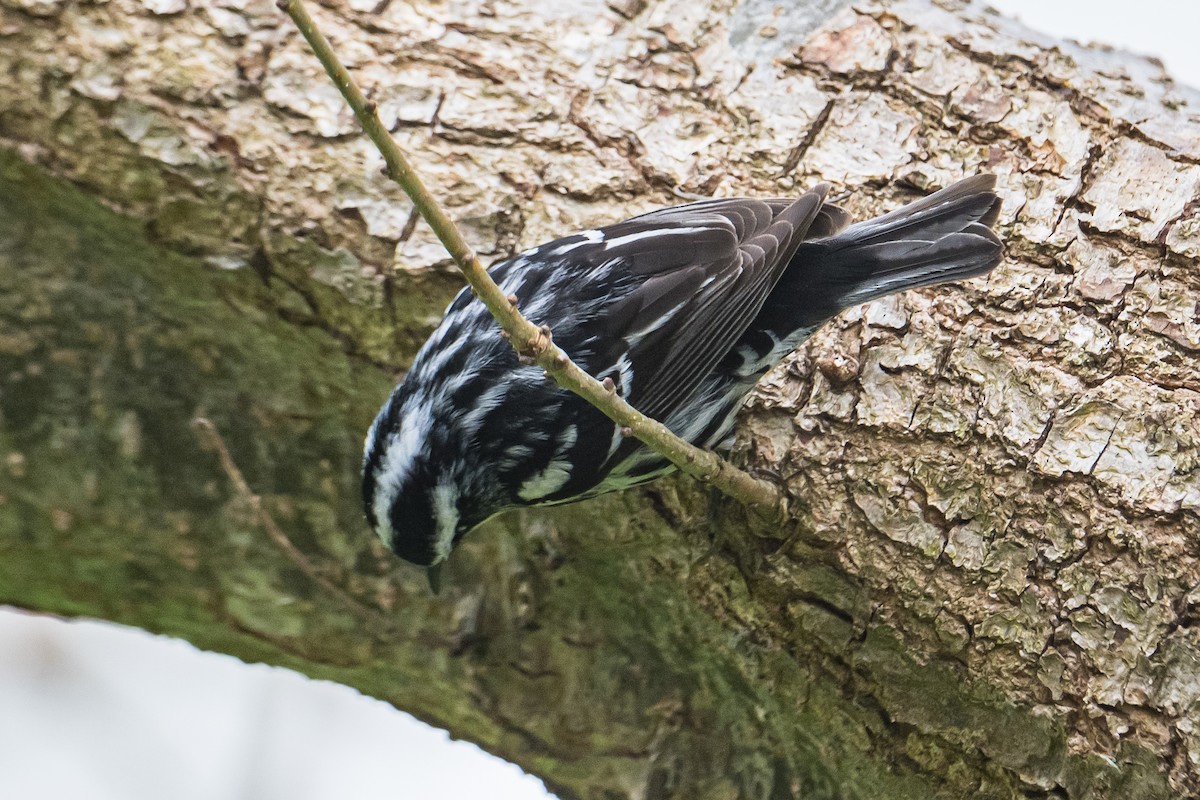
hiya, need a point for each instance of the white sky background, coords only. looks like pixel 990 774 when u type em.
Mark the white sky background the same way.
pixel 92 711
pixel 89 711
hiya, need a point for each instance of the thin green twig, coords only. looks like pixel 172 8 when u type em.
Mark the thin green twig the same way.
pixel 528 339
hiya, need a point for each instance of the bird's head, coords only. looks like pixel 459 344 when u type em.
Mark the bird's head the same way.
pixel 415 498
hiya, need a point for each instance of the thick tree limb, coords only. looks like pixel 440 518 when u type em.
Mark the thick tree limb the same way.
pixel 992 588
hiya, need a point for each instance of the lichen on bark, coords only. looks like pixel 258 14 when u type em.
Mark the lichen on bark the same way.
pixel 990 586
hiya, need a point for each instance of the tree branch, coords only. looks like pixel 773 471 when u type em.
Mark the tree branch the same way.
pixel 983 605
pixel 528 339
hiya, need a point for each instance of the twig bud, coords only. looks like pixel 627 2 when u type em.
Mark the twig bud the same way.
pixel 371 107
pixel 626 430
pixel 608 384
pixel 283 5
pixel 512 300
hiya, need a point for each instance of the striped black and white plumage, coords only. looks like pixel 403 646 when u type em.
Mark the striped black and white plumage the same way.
pixel 685 308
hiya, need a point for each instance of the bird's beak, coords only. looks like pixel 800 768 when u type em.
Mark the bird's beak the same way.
pixel 434 574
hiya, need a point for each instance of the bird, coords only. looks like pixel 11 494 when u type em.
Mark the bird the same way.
pixel 683 309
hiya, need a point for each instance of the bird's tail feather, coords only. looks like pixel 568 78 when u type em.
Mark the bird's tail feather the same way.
pixel 941 238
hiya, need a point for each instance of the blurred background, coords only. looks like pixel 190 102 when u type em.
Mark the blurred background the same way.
pixel 91 711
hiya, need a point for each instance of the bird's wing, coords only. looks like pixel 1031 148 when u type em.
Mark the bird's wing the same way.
pixel 700 273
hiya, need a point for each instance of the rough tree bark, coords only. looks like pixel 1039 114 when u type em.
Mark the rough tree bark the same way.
pixel 991 585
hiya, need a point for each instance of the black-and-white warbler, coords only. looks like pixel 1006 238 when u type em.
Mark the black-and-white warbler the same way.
pixel 685 309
